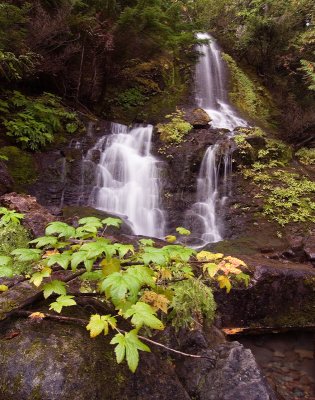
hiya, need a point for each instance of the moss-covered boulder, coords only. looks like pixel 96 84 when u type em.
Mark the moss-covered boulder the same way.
pixel 21 166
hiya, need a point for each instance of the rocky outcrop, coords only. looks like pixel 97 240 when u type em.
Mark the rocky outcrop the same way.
pixel 36 217
pixel 6 180
pixel 198 118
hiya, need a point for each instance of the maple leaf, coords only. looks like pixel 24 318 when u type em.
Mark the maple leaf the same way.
pixel 154 255
pixel 183 231
pixel 27 254
pixel 118 284
pixel 143 314
pixel 110 266
pixel 63 229
pixel 170 238
pixel 128 345
pixel 208 256
pixel 116 222
pixel 211 268
pixel 54 286
pixel 62 301
pixel 38 277
pixel 224 282
pixel 99 323
pixel 62 259
pixel 45 241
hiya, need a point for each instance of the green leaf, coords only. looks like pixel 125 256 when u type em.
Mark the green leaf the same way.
pixel 100 323
pixel 154 255
pixel 27 254
pixel 128 345
pixel 183 231
pixel 211 268
pixel 146 242
pixel 90 221
pixel 143 314
pixel 178 252
pixel 243 277
pixel 142 273
pixel 98 248
pixel 62 259
pixel 55 286
pixel 5 260
pixel 38 277
pixel 77 258
pixel 116 222
pixel 45 241
pixel 62 301
pixel 6 271
pixel 92 276
pixel 63 229
pixel 118 285
pixel 123 249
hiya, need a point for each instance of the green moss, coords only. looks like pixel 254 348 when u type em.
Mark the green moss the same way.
pixel 306 156
pixel 248 95
pixel 176 129
pixel 20 164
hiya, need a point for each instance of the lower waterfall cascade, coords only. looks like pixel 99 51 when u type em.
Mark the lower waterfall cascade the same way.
pixel 128 180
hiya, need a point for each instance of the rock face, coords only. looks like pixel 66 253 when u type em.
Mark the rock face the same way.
pixel 36 216
pixel 309 247
pixel 6 181
pixel 198 118
pixel 47 360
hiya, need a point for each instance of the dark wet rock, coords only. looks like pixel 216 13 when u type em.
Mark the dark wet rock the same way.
pixel 198 118
pixel 36 217
pixel 49 361
pixel 280 294
pixel 309 247
pixel 257 142
pixel 227 371
pixel 6 180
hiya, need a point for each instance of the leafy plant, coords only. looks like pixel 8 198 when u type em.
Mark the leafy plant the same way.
pixel 175 130
pixel 33 122
pixel 140 284
pixel 306 156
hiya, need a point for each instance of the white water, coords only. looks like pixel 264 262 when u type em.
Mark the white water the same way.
pixel 127 179
pixel 211 95
pixel 211 92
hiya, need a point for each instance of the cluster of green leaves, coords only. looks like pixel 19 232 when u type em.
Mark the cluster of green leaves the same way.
pixel 175 130
pixel 140 284
pixel 32 122
pixel 306 156
pixel 12 236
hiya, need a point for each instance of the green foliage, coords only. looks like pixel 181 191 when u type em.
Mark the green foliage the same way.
pixel 306 156
pixel 13 236
pixel 20 165
pixel 247 95
pixel 308 67
pixel 131 98
pixel 32 122
pixel 175 130
pixel 192 302
pixel 10 217
pixel 140 283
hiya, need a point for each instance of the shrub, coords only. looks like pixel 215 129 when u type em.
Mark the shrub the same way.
pixel 306 156
pixel 175 130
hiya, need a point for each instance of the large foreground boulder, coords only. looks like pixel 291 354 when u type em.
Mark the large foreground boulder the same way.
pixel 198 118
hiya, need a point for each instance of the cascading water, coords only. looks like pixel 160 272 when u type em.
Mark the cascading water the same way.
pixel 211 95
pixel 127 179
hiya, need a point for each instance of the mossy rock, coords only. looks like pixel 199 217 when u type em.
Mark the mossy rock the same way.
pixel 21 165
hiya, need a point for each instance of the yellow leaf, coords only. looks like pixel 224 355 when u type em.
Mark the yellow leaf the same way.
pixel 211 268
pixel 37 315
pixel 208 256
pixel 49 253
pixel 170 238
pixel 110 266
pixel 165 274
pixel 3 288
pixel 156 301
pixel 224 282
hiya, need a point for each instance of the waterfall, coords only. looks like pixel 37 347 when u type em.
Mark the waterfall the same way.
pixel 127 179
pixel 211 93
pixel 212 96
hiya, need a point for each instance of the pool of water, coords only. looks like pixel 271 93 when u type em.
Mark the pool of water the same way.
pixel 288 362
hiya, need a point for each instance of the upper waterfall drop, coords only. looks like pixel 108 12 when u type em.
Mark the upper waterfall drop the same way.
pixel 128 181
pixel 210 80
